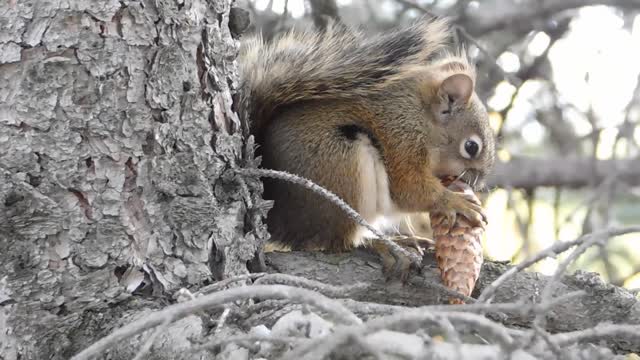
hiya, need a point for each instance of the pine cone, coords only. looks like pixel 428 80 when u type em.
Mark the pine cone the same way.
pixel 458 251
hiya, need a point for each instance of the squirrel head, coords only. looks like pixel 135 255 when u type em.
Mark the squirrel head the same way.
pixel 467 143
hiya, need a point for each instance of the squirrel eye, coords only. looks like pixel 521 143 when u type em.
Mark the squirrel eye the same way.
pixel 470 147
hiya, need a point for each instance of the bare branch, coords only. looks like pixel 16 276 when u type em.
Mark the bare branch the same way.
pixel 284 340
pixel 496 15
pixel 521 308
pixel 222 319
pixel 226 282
pixel 555 249
pixel 598 332
pixel 515 303
pixel 322 11
pixel 529 173
pixel 178 311
pixel 413 5
pixel 514 80
pixel 299 180
pixel 324 289
pixel 144 350
pixel 412 319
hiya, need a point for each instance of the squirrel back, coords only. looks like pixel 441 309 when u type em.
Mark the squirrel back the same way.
pixel 338 63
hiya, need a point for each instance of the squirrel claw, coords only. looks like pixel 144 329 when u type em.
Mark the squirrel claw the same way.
pixel 476 215
pixel 400 267
pixel 463 205
pixel 470 197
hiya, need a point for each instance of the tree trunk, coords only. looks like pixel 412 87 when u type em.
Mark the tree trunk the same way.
pixel 117 148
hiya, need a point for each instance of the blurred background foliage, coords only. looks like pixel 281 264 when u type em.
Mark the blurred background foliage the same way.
pixel 561 80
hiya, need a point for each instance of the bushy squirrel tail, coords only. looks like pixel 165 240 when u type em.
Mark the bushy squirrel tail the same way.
pixel 334 64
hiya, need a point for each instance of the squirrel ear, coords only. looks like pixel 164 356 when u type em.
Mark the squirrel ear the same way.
pixel 453 91
pixel 456 88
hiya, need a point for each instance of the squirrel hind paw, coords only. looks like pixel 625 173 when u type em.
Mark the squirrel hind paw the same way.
pixel 399 267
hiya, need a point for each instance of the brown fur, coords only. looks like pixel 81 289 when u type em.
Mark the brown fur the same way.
pixel 318 102
pixel 337 63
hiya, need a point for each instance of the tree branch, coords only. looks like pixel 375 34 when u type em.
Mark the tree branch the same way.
pixel 529 173
pixel 322 11
pixel 582 293
pixel 177 311
pixel 500 14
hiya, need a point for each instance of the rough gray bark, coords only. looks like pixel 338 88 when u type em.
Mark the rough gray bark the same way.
pixel 117 150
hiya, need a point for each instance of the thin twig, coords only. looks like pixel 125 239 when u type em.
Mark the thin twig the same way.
pixel 588 241
pixel 412 317
pixel 283 175
pixel 146 347
pixel 222 319
pixel 366 346
pixel 325 289
pixel 551 343
pixel 448 329
pixel 320 348
pixel 226 282
pixel 522 308
pixel 324 11
pixel 413 5
pixel 283 340
pixel 443 289
pixel 553 250
pixel 457 29
pixel 597 332
pixel 338 312
pixel 514 80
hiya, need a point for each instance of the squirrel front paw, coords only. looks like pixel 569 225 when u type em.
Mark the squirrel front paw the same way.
pixel 454 204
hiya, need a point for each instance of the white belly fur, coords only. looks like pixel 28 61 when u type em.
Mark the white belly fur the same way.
pixel 376 205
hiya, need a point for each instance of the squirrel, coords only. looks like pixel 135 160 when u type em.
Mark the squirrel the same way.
pixel 379 121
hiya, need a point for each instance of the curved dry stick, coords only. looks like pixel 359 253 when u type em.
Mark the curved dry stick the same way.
pixel 295 179
pixel 340 313
pixel 547 291
pixel 555 249
pixel 146 347
pixel 326 344
pixel 324 289
pixel 284 340
pixel 443 289
pixel 521 307
pixel 597 332
pixel 219 285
